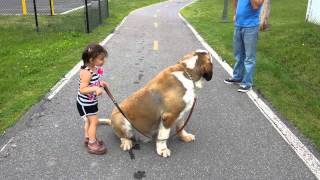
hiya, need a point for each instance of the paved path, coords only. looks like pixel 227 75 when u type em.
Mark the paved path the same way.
pixel 233 139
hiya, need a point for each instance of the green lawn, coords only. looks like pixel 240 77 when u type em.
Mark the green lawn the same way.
pixel 31 63
pixel 288 58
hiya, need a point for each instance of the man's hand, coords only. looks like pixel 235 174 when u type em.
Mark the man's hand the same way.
pixel 256 4
pixel 235 3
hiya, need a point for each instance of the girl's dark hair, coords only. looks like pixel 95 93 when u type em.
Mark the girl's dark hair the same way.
pixel 92 51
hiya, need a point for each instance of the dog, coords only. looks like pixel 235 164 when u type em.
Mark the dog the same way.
pixel 162 102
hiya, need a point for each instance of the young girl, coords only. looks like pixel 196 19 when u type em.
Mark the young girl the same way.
pixel 90 87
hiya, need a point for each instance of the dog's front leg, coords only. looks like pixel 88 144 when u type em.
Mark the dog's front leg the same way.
pixel 183 134
pixel 163 134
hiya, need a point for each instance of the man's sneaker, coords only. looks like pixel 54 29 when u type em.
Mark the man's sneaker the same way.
pixel 244 88
pixel 231 81
pixel 96 147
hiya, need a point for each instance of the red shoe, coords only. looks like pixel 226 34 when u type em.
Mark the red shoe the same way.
pixel 86 141
pixel 96 147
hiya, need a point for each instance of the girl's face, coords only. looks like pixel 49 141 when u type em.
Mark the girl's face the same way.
pixel 99 60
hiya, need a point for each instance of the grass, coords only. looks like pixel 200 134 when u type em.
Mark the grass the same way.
pixel 288 58
pixel 31 63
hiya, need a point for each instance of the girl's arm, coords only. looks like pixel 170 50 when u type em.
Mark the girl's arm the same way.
pixel 85 77
pixel 256 3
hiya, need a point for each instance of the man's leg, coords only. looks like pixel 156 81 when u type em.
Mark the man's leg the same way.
pixel 239 54
pixel 250 38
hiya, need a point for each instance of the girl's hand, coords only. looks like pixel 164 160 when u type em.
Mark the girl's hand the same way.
pixel 98 91
pixel 103 84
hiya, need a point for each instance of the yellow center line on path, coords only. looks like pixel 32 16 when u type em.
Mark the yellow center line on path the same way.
pixel 155 45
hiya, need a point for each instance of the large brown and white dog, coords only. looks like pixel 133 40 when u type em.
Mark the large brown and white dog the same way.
pixel 162 102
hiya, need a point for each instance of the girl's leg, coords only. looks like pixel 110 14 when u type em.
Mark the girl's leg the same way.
pixel 86 127
pixel 93 121
pixel 94 146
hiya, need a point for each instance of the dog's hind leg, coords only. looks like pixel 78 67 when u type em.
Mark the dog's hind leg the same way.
pixel 123 130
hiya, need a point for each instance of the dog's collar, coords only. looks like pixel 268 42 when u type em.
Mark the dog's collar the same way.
pixel 189 76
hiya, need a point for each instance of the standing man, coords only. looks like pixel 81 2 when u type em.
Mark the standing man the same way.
pixel 246 28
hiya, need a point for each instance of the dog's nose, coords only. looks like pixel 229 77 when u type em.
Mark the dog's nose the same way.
pixel 208 76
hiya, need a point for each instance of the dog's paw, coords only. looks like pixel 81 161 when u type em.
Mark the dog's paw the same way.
pixel 126 144
pixel 165 152
pixel 187 137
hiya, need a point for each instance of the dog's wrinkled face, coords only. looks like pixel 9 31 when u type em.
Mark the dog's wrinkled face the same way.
pixel 201 62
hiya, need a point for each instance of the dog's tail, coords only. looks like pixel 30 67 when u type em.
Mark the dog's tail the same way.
pixel 105 122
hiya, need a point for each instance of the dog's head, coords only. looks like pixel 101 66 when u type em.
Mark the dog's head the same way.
pixel 200 62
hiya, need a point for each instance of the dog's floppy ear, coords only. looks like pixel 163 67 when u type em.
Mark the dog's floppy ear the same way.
pixel 204 63
pixel 188 56
pixel 201 51
pixel 190 60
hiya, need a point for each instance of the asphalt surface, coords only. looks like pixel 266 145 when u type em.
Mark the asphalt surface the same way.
pixel 233 139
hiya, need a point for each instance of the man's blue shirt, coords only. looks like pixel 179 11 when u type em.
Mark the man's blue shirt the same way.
pixel 246 16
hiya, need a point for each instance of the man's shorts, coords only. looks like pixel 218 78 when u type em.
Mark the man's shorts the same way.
pixel 87 110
